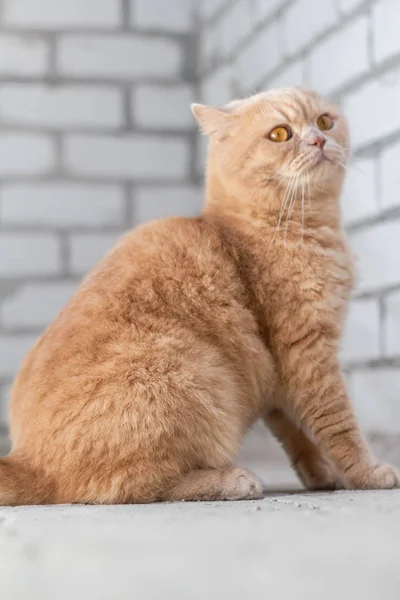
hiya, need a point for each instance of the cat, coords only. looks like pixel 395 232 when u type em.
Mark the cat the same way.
pixel 192 329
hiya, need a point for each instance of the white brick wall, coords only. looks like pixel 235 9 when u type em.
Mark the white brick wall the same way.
pixel 26 154
pixel 153 202
pixel 359 198
pixel 261 56
pixel 23 55
pixel 65 107
pixel 378 97
pixel 95 121
pixel 161 107
pixel 128 157
pixel 390 176
pixel 27 254
pixel 386 15
pixel 305 20
pixel 47 14
pixel 86 249
pixel 349 49
pixel 377 248
pixel 62 205
pixel 174 15
pixel 34 304
pixel 12 351
pixel 361 340
pixel 376 398
pixel 392 325
pixel 119 57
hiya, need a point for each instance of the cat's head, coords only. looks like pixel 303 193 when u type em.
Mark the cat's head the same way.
pixel 282 135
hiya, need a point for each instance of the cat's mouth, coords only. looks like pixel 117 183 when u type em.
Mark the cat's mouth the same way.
pixel 322 158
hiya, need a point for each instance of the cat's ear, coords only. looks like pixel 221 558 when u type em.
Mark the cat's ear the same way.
pixel 213 121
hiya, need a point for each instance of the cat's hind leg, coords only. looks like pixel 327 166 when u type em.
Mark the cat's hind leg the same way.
pixel 307 460
pixel 216 484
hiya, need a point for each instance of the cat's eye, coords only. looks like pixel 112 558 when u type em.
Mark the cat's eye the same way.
pixel 325 122
pixel 280 134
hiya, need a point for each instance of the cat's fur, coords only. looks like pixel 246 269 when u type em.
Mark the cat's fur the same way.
pixel 191 329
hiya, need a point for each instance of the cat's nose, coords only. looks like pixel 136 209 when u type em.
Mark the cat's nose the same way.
pixel 318 140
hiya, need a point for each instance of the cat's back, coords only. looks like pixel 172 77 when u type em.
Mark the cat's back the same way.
pixel 169 288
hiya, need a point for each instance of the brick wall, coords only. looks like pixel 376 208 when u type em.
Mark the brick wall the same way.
pixel 349 50
pixel 96 136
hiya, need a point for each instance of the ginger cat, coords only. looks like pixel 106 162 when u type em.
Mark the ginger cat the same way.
pixel 191 329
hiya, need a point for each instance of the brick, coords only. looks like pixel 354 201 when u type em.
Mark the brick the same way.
pixel 377 249
pixel 61 107
pixel 86 250
pixel 263 9
pixel 361 339
pixel 5 397
pixel 385 19
pixel 158 202
pixel 22 55
pixel 119 57
pixel 291 75
pixel 235 25
pixel 47 14
pixel 350 48
pixel 217 88
pixel 303 21
pixel 35 304
pixel 201 151
pixel 373 111
pixel 347 6
pixel 208 8
pixel 27 254
pixel 392 325
pixel 359 193
pixel 210 46
pixel 12 352
pixel 158 107
pixel 375 398
pixel 260 57
pixel 128 157
pixel 62 205
pixel 174 15
pixel 25 154
pixel 390 177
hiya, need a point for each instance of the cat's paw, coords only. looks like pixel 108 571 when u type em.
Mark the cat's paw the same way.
pixel 384 477
pixel 240 484
pixel 379 477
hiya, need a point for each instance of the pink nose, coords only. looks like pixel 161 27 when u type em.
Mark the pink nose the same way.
pixel 318 140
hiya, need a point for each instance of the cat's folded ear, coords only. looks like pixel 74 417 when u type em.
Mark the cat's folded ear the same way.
pixel 213 121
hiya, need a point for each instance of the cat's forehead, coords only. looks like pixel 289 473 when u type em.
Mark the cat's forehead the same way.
pixel 289 104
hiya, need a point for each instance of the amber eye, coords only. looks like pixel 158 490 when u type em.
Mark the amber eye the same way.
pixel 325 122
pixel 280 134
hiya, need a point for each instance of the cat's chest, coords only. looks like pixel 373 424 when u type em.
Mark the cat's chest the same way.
pixel 316 276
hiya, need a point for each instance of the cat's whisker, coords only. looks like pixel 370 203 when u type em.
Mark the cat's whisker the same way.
pixel 284 202
pixel 291 206
pixel 282 210
pixel 308 187
pixel 302 209
pixel 241 82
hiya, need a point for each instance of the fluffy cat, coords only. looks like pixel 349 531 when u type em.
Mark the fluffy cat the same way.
pixel 191 329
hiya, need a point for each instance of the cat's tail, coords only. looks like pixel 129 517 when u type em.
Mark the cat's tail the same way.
pixel 19 485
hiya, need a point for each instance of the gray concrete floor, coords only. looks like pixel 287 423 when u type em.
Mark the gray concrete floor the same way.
pixel 289 545
pixel 312 546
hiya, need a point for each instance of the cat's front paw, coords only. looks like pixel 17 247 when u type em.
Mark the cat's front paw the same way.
pixel 379 477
